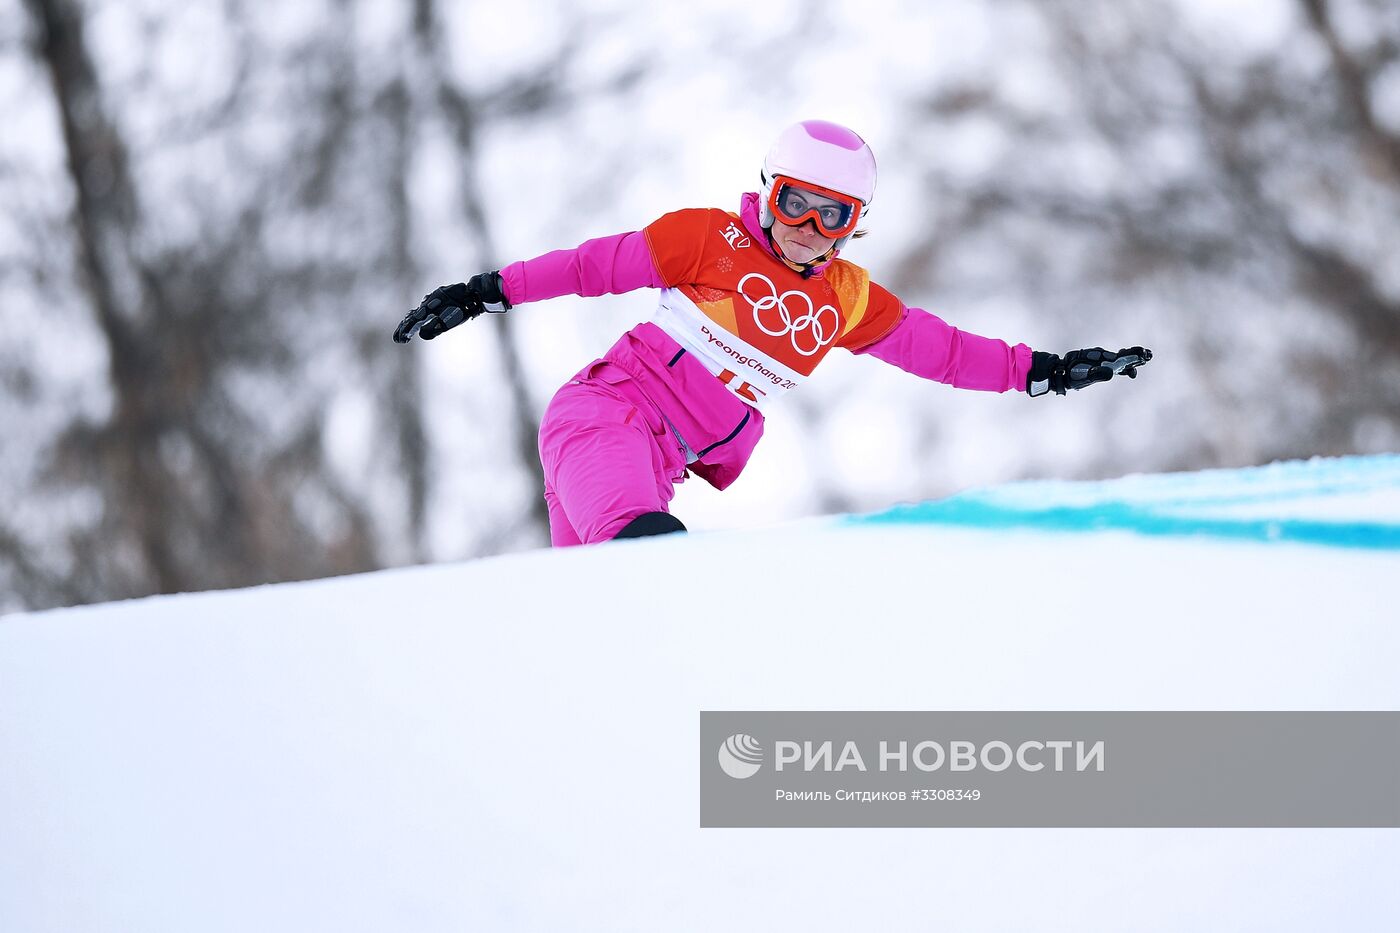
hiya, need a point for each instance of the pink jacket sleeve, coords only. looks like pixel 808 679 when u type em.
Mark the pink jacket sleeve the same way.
pixel 608 265
pixel 926 346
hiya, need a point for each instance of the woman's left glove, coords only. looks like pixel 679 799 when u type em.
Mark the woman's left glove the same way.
pixel 1080 368
pixel 444 308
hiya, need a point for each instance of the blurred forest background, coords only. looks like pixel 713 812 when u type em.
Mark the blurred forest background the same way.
pixel 215 211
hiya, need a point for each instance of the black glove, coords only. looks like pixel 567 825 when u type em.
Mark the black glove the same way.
pixel 1080 368
pixel 444 308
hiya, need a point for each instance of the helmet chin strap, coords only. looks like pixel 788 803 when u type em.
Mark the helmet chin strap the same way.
pixel 805 268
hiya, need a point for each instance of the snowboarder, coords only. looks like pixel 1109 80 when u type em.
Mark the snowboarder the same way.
pixel 750 303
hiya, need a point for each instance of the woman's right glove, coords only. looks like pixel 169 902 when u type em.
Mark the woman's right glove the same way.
pixel 1080 368
pixel 446 307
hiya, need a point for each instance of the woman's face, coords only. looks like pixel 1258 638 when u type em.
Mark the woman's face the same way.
pixel 801 244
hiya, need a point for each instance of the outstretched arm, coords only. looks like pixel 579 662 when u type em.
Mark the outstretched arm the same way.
pixel 927 346
pixel 605 266
pixel 608 265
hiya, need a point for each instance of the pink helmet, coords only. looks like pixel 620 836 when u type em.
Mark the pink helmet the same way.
pixel 821 153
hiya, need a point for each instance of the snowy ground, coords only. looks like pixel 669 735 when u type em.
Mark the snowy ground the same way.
pixel 511 743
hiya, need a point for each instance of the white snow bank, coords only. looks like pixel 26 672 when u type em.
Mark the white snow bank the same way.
pixel 511 744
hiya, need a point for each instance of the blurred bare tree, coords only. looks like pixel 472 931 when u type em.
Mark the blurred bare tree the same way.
pixel 1242 198
pixel 233 316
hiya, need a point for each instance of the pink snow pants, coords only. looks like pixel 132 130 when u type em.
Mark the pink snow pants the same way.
pixel 608 456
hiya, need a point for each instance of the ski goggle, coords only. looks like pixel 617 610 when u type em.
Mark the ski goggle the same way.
pixel 795 202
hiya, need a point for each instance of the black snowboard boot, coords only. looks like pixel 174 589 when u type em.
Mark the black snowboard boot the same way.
pixel 651 523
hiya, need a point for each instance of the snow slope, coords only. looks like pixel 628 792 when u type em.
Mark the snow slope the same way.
pixel 510 743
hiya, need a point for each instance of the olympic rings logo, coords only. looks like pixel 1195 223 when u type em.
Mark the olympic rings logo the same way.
pixel 811 322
